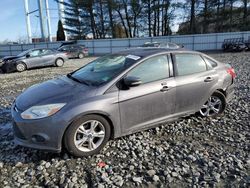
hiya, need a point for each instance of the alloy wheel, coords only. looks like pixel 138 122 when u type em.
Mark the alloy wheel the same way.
pixel 59 62
pixel 20 67
pixel 89 135
pixel 80 56
pixel 212 106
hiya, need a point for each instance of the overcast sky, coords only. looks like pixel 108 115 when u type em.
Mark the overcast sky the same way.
pixel 12 19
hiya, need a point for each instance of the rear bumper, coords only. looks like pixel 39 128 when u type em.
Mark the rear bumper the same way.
pixel 230 93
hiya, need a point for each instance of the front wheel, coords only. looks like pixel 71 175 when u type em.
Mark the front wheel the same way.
pixel 214 106
pixel 87 136
pixel 20 67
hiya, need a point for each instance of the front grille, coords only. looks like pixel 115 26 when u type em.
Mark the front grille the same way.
pixel 17 131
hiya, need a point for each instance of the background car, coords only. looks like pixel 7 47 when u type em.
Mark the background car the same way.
pixel 235 45
pixel 33 58
pixel 168 45
pixel 119 94
pixel 74 51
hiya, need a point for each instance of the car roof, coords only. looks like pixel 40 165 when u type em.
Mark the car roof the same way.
pixel 148 51
pixel 40 49
pixel 69 45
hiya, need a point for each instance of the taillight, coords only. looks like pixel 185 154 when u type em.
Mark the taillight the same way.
pixel 231 72
pixel 85 50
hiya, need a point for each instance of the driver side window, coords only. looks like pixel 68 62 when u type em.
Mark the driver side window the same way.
pixel 153 69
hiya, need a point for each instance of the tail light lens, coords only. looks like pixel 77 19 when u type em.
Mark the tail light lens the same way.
pixel 231 72
pixel 85 50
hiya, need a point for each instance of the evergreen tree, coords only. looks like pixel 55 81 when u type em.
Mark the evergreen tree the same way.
pixel 60 35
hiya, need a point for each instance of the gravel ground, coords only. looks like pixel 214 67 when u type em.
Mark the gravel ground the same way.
pixel 191 152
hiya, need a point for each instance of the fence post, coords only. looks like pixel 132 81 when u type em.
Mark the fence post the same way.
pixel 10 51
pixel 93 46
pixel 216 41
pixel 110 45
pixel 193 43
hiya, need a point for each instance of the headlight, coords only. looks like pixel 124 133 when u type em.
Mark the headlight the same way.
pixel 37 112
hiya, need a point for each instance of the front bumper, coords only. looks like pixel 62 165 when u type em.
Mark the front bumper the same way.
pixel 42 134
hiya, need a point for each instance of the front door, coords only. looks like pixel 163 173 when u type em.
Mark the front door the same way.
pixel 33 59
pixel 151 101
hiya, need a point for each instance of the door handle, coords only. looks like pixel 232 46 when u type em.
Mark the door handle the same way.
pixel 208 79
pixel 165 88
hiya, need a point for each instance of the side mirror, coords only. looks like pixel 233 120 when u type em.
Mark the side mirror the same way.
pixel 27 55
pixel 132 81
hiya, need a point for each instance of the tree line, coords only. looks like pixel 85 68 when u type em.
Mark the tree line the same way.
pixel 136 18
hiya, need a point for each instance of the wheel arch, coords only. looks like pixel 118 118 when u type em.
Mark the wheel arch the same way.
pixel 59 58
pixel 222 91
pixel 102 114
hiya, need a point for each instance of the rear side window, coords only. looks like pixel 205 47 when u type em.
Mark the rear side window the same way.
pixel 189 64
pixel 210 62
pixel 153 69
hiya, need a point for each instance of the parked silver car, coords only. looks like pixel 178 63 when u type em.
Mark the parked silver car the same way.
pixel 168 45
pixel 33 58
pixel 120 94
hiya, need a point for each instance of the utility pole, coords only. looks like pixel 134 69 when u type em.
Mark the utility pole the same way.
pixel 48 20
pixel 61 10
pixel 40 7
pixel 26 6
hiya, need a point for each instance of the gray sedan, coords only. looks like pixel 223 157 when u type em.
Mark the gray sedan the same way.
pixel 120 94
pixel 33 58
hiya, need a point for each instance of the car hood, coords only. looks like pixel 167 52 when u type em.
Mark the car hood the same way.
pixel 60 90
pixel 9 58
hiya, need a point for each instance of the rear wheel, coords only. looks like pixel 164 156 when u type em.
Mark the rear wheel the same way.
pixel 87 136
pixel 80 55
pixel 59 62
pixel 20 67
pixel 214 106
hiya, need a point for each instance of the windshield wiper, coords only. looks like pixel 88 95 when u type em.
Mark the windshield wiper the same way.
pixel 77 80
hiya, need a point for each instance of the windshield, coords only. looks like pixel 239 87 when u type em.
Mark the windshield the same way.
pixel 23 53
pixel 102 70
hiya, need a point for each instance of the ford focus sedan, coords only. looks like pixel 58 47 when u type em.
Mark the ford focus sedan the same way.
pixel 117 95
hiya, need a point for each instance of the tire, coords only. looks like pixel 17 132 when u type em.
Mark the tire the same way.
pixel 80 140
pixel 20 67
pixel 214 106
pixel 59 62
pixel 80 55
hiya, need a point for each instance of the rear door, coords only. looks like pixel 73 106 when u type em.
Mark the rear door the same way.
pixel 75 50
pixel 151 101
pixel 194 81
